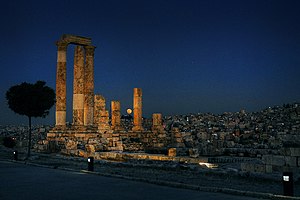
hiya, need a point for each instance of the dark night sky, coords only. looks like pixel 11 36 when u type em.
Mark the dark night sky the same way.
pixel 188 56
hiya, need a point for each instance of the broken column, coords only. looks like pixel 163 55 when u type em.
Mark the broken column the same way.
pixel 101 115
pixel 78 86
pixel 137 110
pixel 61 87
pixel 99 105
pixel 157 122
pixel 89 85
pixel 115 115
pixel 104 121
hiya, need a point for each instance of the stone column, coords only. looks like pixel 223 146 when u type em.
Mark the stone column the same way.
pixel 99 106
pixel 104 121
pixel 89 85
pixel 115 115
pixel 157 122
pixel 61 87
pixel 78 86
pixel 101 115
pixel 137 110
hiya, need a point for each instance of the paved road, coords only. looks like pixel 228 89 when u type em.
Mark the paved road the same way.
pixel 19 181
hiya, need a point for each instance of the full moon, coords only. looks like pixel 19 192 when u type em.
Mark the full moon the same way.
pixel 129 111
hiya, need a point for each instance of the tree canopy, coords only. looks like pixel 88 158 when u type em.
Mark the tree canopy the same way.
pixel 32 100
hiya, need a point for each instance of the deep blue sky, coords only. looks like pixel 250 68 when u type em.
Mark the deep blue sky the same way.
pixel 188 56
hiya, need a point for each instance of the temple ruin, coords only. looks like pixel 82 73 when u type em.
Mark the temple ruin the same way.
pixel 93 127
pixel 271 137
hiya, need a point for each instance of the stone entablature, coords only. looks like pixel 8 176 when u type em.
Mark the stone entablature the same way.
pixel 77 40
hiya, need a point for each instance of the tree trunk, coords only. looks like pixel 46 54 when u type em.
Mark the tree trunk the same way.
pixel 29 137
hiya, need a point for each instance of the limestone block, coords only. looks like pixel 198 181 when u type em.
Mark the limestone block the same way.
pixel 175 130
pixel 81 153
pixel 267 159
pixel 172 152
pixel 251 167
pixel 119 143
pixel 259 168
pixel 117 148
pixel 60 117
pixel 291 161
pixel 90 148
pixel 177 135
pixel 106 135
pixel 51 135
pixel 161 135
pixel 278 160
pixel 295 151
pixel 93 141
pixel 70 144
pixel 247 167
pixel 158 145
pixel 194 153
pixel 41 148
pixel 68 38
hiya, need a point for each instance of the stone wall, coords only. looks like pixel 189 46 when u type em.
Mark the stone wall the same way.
pixel 288 161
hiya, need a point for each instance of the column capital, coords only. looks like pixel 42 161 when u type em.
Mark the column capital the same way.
pixel 89 50
pixel 62 45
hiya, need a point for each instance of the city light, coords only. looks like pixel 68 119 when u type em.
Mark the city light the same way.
pixel 286 178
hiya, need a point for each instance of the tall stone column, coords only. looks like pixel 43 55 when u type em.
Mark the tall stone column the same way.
pixel 89 85
pixel 137 110
pixel 78 86
pixel 115 115
pixel 61 87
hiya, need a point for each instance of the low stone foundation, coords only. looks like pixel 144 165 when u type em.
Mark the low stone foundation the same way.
pixel 288 161
pixel 79 140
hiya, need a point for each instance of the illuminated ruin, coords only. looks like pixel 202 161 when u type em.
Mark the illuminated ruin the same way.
pixel 93 127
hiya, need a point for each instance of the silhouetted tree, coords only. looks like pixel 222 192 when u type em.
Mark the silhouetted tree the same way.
pixel 31 100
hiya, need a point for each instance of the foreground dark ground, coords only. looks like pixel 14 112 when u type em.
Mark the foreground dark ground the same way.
pixel 19 181
pixel 168 172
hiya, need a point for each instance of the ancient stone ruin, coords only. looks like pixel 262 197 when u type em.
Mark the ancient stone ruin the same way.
pixel 270 137
pixel 93 128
